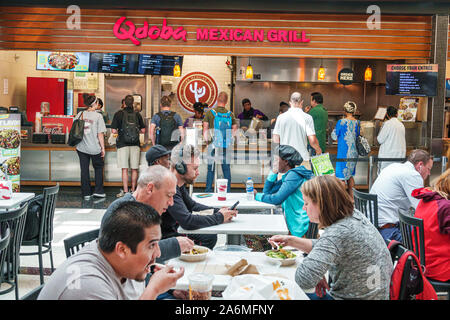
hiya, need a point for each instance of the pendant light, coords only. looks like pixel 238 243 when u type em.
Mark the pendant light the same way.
pixel 176 70
pixel 249 71
pixel 321 73
pixel 368 74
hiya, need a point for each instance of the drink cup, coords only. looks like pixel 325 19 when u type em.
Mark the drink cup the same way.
pixel 200 286
pixel 222 185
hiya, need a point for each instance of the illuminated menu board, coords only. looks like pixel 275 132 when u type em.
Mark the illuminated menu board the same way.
pixel 113 63
pixel 418 80
pixel 158 64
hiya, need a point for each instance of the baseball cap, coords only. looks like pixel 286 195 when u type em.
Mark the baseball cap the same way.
pixel 155 152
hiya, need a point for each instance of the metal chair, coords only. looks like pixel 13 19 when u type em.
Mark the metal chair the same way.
pixel 15 221
pixel 367 203
pixel 313 231
pixel 76 242
pixel 33 294
pixel 413 236
pixel 45 237
pixel 4 241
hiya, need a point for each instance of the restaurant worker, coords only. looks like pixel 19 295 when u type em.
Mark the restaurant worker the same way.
pixel 198 113
pixel 286 191
pixel 185 162
pixel 249 113
pixel 350 248
pixel 115 266
pixel 156 188
pixel 158 154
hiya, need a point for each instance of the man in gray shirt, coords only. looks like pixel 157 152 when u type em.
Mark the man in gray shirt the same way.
pixel 115 266
pixel 156 187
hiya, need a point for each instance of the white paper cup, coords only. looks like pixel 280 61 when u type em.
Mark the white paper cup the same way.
pixel 222 185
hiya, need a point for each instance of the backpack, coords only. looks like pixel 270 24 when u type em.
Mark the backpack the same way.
pixel 32 222
pixel 167 125
pixel 130 128
pixel 76 133
pixel 362 145
pixel 222 129
pixel 414 282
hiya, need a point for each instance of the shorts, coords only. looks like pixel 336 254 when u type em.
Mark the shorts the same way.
pixel 129 157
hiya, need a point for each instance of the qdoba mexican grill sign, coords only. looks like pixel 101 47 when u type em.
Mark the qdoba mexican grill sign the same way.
pixel 197 87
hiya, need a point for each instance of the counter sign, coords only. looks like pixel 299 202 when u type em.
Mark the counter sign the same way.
pixel 197 87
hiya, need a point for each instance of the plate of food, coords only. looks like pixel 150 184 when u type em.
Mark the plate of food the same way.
pixel 63 61
pixel 285 256
pixel 198 253
pixel 9 139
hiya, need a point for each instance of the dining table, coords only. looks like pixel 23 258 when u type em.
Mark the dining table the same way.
pixel 216 263
pixel 212 200
pixel 16 199
pixel 245 224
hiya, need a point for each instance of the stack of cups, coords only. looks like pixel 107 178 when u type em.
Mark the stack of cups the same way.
pixel 222 186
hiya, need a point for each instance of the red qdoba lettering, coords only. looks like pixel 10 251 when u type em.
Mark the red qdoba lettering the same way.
pixel 202 34
pixel 223 34
pixel 165 32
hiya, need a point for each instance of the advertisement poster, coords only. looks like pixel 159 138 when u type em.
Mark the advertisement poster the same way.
pixel 10 149
pixel 62 61
pixel 407 109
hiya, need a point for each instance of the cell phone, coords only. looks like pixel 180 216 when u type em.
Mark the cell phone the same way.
pixel 234 205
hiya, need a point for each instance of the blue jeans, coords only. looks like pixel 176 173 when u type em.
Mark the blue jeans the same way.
pixel 211 168
pixel 391 234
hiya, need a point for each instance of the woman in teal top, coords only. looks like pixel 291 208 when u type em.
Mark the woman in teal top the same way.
pixel 287 190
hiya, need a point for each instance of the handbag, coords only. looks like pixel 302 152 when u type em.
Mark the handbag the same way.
pixel 76 132
pixel 362 145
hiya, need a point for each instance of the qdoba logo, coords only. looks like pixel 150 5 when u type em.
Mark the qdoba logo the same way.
pixel 164 32
pixel 197 87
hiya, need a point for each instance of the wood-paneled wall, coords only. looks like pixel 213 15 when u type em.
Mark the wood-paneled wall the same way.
pixel 330 35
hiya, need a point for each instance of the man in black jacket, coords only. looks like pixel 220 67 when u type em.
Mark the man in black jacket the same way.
pixel 183 212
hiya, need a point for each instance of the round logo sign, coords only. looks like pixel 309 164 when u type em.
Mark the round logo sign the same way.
pixel 197 87
pixel 345 76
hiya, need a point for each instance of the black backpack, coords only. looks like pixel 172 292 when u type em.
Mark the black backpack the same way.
pixel 31 229
pixel 130 128
pixel 76 132
pixel 167 125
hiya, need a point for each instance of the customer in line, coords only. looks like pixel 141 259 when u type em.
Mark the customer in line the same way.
pixel 219 130
pixel 92 147
pixel 320 118
pixel 350 248
pixel 346 132
pixel 394 187
pixel 184 211
pixel 296 128
pixel 391 138
pixel 101 110
pixel 115 266
pixel 434 210
pixel 286 191
pixel 158 154
pixel 128 124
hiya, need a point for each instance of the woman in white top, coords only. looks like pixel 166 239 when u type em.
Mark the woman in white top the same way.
pixel 92 147
pixel 391 139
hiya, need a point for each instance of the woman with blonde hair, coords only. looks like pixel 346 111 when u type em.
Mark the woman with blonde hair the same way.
pixel 350 249
pixel 345 132
pixel 434 210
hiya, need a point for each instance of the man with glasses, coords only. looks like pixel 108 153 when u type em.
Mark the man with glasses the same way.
pixel 394 186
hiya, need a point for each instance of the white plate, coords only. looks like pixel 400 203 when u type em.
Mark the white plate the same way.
pixel 195 257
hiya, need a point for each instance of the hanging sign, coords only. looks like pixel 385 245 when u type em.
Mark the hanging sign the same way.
pixel 197 87
pixel 346 76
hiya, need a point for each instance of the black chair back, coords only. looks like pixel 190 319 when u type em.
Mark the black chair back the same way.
pixel 15 221
pixel 367 203
pixel 412 234
pixel 47 215
pixel 313 231
pixel 4 241
pixel 33 294
pixel 76 242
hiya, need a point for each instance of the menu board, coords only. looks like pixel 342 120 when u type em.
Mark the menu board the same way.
pixel 113 63
pixel 158 64
pixel 419 80
pixel 62 61
pixel 10 149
